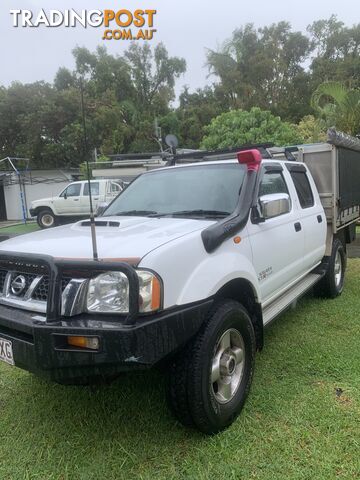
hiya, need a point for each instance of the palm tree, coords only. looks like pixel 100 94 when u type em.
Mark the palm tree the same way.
pixel 338 106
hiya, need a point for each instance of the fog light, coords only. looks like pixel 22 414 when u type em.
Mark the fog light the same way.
pixel 91 343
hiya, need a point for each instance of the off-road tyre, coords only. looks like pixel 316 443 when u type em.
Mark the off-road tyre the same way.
pixel 332 284
pixel 191 392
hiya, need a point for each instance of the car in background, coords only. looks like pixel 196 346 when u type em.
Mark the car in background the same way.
pixel 74 202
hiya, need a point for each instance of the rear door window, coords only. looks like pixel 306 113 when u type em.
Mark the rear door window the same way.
pixel 303 189
pixel 94 189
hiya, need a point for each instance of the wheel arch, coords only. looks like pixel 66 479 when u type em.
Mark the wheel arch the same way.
pixel 243 291
pixel 39 209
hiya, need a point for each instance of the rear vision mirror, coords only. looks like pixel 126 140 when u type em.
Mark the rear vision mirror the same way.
pixel 102 206
pixel 274 204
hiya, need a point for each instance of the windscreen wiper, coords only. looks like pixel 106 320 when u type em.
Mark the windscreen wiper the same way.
pixel 136 213
pixel 195 213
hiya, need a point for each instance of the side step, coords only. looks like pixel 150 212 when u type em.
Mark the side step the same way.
pixel 286 299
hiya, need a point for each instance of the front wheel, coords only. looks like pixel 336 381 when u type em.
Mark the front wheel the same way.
pixel 210 380
pixel 46 218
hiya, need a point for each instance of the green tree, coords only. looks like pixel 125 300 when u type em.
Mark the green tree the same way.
pixel 240 127
pixel 197 110
pixel 264 68
pixel 338 106
pixel 125 94
pixel 64 79
pixel 311 129
pixel 336 52
pixel 104 73
pixel 33 118
pixel 153 74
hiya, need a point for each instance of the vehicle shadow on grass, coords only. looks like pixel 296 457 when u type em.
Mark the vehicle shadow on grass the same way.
pixel 135 403
pixel 131 395
pixel 89 428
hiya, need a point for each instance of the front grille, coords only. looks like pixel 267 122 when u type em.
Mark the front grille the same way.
pixel 38 291
pixel 41 292
pixel 25 285
pixel 3 274
pixel 29 278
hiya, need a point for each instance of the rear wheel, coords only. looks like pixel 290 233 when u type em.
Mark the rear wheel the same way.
pixel 332 284
pixel 210 380
pixel 46 218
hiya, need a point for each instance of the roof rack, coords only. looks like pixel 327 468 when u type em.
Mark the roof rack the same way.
pixel 215 155
pixel 284 153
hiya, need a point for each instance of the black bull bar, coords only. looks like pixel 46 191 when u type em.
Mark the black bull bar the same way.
pixel 56 267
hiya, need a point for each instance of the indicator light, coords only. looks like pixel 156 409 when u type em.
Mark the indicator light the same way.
pixel 90 343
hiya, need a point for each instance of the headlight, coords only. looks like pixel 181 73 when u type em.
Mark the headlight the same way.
pixel 109 293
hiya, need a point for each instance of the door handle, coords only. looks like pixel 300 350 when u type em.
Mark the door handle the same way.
pixel 319 219
pixel 297 226
pixel 76 199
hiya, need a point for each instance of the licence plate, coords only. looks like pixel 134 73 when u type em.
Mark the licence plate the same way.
pixel 6 353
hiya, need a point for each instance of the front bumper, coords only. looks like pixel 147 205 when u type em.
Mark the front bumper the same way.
pixel 126 342
pixel 40 348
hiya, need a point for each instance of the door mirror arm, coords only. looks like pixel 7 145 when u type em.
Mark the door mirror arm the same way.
pixel 256 216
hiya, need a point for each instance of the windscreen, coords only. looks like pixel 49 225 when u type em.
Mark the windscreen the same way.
pixel 184 190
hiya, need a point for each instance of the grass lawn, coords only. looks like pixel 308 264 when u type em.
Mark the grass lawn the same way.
pixel 20 228
pixel 302 419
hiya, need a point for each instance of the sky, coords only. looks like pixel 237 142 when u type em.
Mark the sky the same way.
pixel 186 27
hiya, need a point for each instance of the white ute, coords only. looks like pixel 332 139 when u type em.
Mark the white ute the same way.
pixel 194 260
pixel 73 201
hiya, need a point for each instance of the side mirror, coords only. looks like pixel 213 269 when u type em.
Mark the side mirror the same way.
pixel 102 206
pixel 65 196
pixel 273 205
